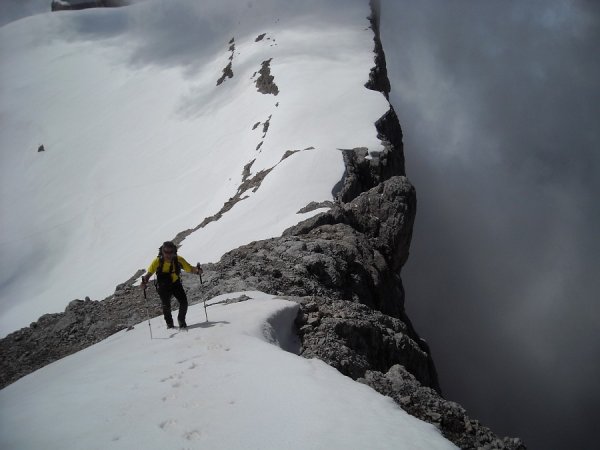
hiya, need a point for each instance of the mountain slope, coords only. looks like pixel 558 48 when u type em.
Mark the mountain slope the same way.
pixel 276 156
pixel 141 142
pixel 222 384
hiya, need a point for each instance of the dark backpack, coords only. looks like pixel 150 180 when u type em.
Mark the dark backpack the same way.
pixel 164 279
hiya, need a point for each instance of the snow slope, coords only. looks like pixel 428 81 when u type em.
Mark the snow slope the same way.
pixel 221 385
pixel 141 143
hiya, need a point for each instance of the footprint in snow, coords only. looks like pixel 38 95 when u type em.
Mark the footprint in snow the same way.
pixel 168 424
pixel 175 376
pixel 214 346
pixel 169 397
pixel 192 435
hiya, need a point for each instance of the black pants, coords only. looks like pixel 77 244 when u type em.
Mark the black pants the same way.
pixel 173 290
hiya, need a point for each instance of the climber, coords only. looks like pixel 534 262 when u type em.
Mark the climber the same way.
pixel 167 266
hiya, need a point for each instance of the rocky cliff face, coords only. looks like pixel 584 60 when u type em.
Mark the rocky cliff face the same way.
pixel 342 267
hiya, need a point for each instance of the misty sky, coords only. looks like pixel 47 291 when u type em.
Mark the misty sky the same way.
pixel 500 109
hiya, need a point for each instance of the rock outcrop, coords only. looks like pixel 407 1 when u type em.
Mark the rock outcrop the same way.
pixel 265 83
pixel 378 79
pixel 425 403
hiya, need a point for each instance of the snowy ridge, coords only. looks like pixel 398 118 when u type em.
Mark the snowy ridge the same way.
pixel 221 123
pixel 141 143
pixel 222 384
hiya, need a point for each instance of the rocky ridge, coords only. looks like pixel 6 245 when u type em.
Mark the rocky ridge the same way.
pixel 343 268
pixel 340 266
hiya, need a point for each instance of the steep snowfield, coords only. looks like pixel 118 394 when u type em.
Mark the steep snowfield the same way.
pixel 221 385
pixel 140 142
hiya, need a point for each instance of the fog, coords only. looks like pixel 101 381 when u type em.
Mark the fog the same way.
pixel 499 106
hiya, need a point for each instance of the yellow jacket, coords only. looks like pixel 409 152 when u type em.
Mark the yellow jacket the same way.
pixel 166 268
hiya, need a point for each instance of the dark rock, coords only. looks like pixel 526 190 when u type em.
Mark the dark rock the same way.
pixel 312 206
pixel 228 70
pixel 353 338
pixel 378 79
pixel 288 153
pixel 227 73
pixel 62 5
pixel 426 404
pixel 266 126
pixel 365 171
pixel 265 83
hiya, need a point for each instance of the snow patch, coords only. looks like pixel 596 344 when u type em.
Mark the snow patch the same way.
pixel 219 385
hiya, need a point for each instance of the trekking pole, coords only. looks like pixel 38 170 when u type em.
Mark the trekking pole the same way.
pixel 200 275
pixel 147 310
